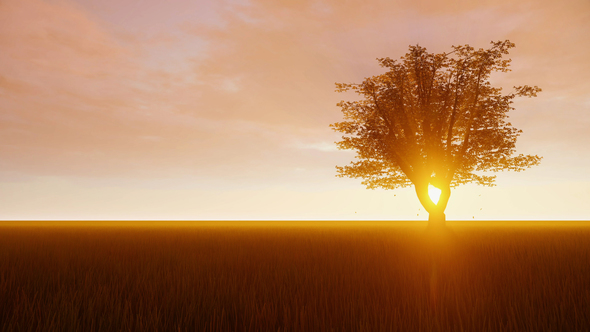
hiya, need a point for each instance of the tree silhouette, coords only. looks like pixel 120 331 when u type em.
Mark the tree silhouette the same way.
pixel 433 119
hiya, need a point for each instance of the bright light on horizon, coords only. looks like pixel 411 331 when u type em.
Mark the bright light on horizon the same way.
pixel 434 193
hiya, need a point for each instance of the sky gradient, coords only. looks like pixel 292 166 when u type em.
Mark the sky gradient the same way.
pixel 207 110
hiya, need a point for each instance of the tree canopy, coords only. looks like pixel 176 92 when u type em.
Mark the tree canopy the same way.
pixel 433 119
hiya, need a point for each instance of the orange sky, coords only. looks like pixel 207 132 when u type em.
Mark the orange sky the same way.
pixel 124 109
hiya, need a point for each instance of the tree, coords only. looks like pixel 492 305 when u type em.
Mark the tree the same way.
pixel 433 119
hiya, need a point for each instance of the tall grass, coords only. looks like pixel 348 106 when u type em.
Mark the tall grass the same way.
pixel 294 279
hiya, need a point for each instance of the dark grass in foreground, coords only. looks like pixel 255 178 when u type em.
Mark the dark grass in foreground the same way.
pixel 376 278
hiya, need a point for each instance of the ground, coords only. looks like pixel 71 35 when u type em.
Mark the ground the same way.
pixel 292 276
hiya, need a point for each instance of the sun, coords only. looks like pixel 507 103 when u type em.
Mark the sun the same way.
pixel 434 193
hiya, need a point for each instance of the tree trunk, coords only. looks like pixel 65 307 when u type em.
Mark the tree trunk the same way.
pixel 436 220
pixel 436 212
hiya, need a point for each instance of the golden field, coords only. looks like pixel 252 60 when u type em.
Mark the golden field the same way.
pixel 294 276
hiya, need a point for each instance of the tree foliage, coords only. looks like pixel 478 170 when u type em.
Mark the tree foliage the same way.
pixel 433 118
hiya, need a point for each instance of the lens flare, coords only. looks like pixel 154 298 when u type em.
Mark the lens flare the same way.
pixel 434 193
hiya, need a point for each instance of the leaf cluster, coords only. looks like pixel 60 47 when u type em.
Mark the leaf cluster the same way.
pixel 434 118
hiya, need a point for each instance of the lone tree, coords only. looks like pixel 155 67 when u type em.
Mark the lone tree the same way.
pixel 433 120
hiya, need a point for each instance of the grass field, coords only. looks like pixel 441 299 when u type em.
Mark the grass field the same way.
pixel 267 276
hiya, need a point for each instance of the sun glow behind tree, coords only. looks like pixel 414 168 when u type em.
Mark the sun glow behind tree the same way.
pixel 434 193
